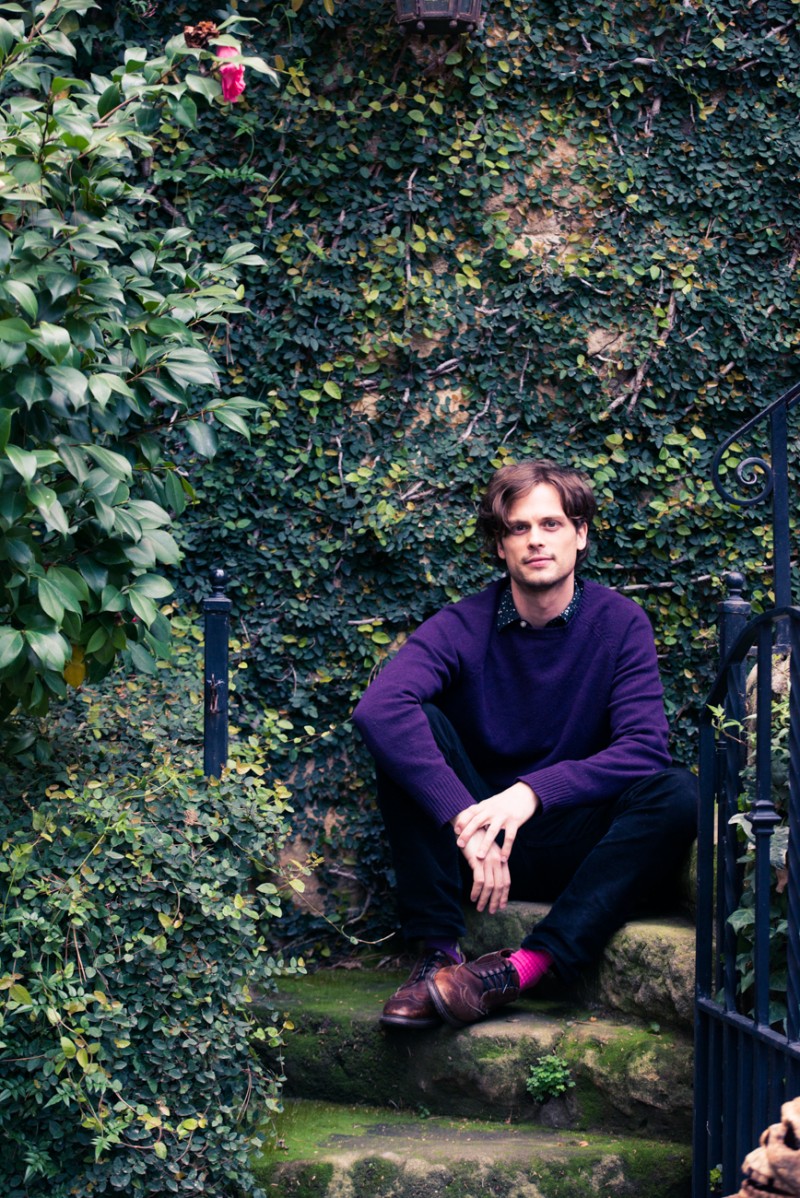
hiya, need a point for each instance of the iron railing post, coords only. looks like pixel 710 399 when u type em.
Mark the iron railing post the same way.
pixel 793 856
pixel 216 609
pixel 734 613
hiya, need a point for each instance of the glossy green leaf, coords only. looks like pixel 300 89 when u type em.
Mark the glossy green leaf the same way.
pixel 24 295
pixel 109 100
pixel 142 661
pixel 49 507
pixel 52 341
pixel 6 415
pixel 12 645
pixel 23 461
pixel 143 607
pixel 202 438
pixel 15 330
pixel 50 600
pixel 113 463
pixel 73 383
pixel 233 421
pixel 203 85
pixel 191 366
pixel 153 586
pixel 50 647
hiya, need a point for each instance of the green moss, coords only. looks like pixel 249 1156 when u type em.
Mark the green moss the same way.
pixel 335 989
pixel 373 1177
pixel 370 1153
pixel 298 1180
pixel 306 1128
pixel 375 1153
pixel 633 1076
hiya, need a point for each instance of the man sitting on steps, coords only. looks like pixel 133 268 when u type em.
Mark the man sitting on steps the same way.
pixel 521 750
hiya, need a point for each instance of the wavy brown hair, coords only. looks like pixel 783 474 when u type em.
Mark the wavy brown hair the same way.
pixel 510 483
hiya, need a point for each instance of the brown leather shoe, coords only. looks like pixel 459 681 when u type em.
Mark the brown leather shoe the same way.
pixel 411 1005
pixel 464 994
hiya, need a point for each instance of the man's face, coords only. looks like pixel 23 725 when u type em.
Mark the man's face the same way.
pixel 541 547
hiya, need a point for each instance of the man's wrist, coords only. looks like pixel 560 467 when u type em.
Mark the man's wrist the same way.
pixel 531 792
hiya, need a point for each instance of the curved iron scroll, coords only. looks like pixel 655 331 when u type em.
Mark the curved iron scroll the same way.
pixel 753 471
pixel 771 477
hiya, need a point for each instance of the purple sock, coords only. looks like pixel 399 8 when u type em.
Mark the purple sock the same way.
pixel 531 965
pixel 444 945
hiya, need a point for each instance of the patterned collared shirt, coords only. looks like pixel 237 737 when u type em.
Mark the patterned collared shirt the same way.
pixel 507 613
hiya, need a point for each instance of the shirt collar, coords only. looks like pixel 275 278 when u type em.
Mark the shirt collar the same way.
pixel 507 613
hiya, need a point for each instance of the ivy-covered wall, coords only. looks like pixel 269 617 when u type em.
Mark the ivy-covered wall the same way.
pixel 574 235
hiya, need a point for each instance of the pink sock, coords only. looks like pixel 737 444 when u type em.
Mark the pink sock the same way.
pixel 531 965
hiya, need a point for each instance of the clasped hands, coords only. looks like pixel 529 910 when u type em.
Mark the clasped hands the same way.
pixel 477 828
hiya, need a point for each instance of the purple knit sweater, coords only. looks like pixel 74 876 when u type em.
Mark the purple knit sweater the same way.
pixel 576 712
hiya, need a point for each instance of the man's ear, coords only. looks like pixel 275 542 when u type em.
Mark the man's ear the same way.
pixel 501 553
pixel 583 534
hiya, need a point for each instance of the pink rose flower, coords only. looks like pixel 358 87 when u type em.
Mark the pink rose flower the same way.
pixel 231 75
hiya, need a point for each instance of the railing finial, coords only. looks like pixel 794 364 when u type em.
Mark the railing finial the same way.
pixel 218 578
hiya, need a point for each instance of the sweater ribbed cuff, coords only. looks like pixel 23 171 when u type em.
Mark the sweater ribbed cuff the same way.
pixel 552 788
pixel 444 798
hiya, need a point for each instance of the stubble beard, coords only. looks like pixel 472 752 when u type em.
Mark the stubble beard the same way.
pixel 540 586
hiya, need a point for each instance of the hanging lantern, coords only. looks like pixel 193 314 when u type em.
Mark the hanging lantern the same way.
pixel 438 16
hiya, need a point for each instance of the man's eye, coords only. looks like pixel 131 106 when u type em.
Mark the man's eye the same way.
pixel 518 529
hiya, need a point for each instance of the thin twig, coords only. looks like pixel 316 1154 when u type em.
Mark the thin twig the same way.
pixel 468 430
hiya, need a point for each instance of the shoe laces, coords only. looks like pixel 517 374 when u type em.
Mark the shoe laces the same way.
pixel 429 964
pixel 496 976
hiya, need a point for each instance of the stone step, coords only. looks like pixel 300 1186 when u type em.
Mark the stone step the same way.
pixel 630 1076
pixel 325 1151
pixel 647 969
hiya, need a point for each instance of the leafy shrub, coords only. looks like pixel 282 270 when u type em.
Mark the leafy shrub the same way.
pixel 106 323
pixel 135 903
pixel 132 928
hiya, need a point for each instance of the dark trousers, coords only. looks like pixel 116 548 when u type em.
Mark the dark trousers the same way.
pixel 596 864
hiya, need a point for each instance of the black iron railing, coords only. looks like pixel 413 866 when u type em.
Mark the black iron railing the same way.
pixel 216 608
pixel 747 1046
pixel 759 478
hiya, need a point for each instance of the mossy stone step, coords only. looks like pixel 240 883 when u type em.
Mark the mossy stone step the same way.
pixel 647 969
pixel 629 1076
pixel 325 1151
